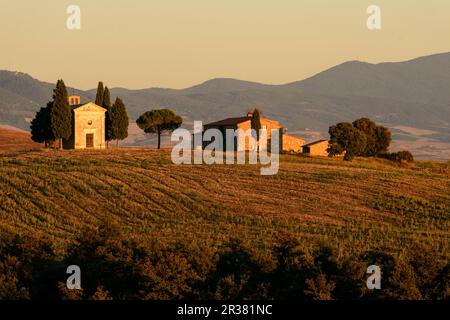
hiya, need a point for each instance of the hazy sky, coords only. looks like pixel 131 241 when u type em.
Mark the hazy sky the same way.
pixel 179 43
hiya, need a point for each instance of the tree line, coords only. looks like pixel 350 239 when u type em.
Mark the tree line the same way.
pixel 114 266
pixel 54 122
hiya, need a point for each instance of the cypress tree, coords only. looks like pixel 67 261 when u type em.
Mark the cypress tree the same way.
pixel 61 113
pixel 256 124
pixel 100 93
pixel 106 103
pixel 119 121
pixel 106 100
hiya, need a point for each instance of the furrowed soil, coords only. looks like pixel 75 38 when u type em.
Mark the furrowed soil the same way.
pixel 354 206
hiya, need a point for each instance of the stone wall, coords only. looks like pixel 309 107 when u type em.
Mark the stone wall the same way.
pixel 292 144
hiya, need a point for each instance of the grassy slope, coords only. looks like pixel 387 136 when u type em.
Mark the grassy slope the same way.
pixel 12 139
pixel 355 206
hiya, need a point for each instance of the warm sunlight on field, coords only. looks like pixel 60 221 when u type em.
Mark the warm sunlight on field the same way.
pixel 356 206
pixel 12 139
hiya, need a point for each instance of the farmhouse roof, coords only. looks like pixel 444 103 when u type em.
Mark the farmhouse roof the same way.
pixel 313 143
pixel 237 120
pixel 293 137
pixel 228 121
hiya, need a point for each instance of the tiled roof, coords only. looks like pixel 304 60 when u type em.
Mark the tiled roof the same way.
pixel 293 137
pixel 228 122
pixel 313 143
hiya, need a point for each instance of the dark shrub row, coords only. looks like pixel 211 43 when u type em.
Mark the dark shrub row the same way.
pixel 401 156
pixel 115 267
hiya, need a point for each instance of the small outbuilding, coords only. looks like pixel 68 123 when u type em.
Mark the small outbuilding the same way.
pixel 316 148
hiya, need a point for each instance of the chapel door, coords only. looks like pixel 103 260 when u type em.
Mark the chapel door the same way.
pixel 89 140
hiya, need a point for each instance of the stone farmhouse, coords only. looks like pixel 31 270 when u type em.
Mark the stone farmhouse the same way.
pixel 289 143
pixel 88 126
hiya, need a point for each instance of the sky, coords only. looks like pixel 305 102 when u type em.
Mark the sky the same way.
pixel 180 43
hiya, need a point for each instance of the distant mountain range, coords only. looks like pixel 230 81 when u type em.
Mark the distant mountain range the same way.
pixel 411 97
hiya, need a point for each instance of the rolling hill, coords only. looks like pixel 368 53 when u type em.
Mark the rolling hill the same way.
pixel 362 205
pixel 409 97
pixel 13 140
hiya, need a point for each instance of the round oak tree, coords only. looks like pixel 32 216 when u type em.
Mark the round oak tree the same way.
pixel 41 130
pixel 158 121
pixel 345 138
pixel 378 137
